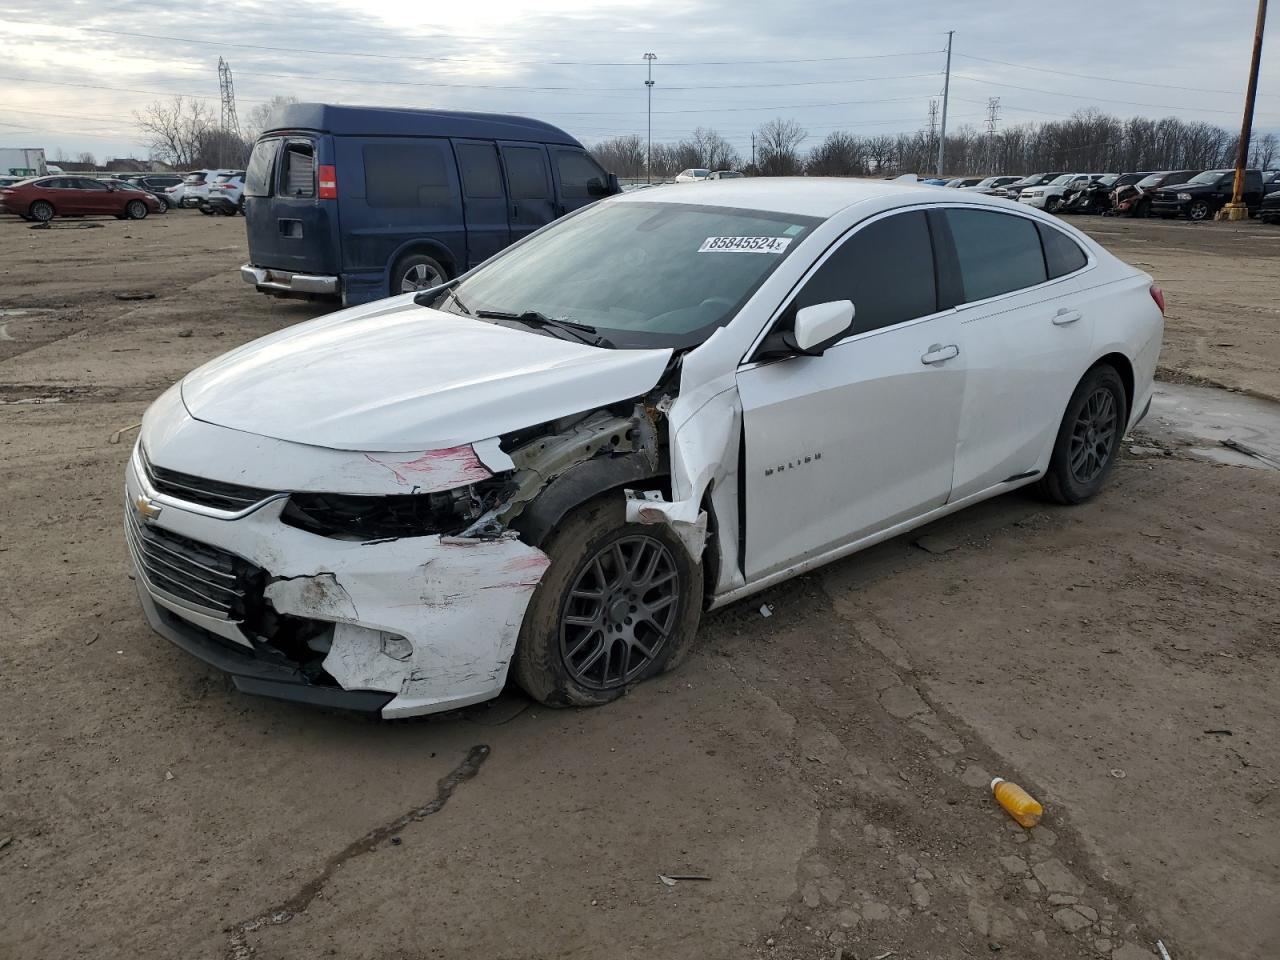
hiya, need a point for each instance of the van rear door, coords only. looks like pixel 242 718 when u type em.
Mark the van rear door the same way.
pixel 484 199
pixel 290 227
pixel 533 202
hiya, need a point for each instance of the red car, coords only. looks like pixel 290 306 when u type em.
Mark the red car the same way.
pixel 47 197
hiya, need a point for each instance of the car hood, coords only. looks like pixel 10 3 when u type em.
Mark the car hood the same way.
pixel 394 376
pixel 1185 187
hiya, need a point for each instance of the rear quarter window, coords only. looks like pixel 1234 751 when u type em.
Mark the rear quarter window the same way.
pixel 1062 255
pixel 406 175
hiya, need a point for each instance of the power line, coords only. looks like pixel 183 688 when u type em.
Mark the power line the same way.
pixel 1090 76
pixel 99 86
pixel 1077 96
pixel 392 56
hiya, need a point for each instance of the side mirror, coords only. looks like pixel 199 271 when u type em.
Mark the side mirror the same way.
pixel 814 329
pixel 821 325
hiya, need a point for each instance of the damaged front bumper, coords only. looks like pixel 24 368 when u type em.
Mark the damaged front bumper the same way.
pixel 400 626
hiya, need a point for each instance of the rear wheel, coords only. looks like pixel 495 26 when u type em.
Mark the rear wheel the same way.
pixel 417 271
pixel 136 210
pixel 1088 437
pixel 42 211
pixel 619 604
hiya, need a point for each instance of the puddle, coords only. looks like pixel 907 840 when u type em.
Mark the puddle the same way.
pixel 1205 417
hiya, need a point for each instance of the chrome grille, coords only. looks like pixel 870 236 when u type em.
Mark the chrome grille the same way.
pixel 220 495
pixel 194 573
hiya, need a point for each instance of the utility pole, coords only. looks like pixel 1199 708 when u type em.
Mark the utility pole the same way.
pixel 648 84
pixel 946 96
pixel 1237 209
pixel 753 150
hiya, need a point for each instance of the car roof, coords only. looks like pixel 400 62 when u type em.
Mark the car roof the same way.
pixel 345 120
pixel 802 196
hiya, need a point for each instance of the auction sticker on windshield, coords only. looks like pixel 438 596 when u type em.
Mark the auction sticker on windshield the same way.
pixel 744 245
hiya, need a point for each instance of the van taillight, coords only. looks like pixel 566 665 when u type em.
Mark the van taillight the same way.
pixel 328 182
pixel 1158 296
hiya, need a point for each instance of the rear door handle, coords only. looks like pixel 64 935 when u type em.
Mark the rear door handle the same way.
pixel 1065 316
pixel 938 353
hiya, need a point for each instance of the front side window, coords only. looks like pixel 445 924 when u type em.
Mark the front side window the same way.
pixel 576 171
pixel 257 176
pixel 885 268
pixel 642 274
pixel 997 252
pixel 406 175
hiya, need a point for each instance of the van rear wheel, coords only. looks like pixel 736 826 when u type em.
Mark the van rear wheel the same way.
pixel 417 271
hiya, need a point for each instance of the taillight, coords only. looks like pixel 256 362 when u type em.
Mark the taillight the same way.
pixel 1158 296
pixel 327 182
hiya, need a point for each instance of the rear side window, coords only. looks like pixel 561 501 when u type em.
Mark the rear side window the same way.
pixel 406 175
pixel 299 174
pixel 997 252
pixel 481 177
pixel 886 269
pixel 527 173
pixel 576 171
pixel 1062 255
pixel 257 176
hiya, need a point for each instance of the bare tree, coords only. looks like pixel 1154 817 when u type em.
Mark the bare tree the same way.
pixel 839 155
pixel 708 149
pixel 624 155
pixel 779 141
pixel 86 157
pixel 263 116
pixel 175 130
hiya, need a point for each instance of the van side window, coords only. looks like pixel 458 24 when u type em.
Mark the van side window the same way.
pixel 998 252
pixel 576 171
pixel 406 175
pixel 481 177
pixel 527 173
pixel 897 246
pixel 299 170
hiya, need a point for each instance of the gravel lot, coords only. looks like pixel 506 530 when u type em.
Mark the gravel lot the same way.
pixel 825 767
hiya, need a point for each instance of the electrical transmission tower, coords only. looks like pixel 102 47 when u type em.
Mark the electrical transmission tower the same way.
pixel 230 124
pixel 993 117
pixel 933 125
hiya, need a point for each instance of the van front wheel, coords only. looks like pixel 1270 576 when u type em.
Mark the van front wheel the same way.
pixel 416 272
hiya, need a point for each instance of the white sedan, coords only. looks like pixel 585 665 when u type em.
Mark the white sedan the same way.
pixel 549 467
pixel 693 175
pixel 1049 196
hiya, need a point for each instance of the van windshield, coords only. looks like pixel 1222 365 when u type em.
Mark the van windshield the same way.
pixel 642 274
pixel 262 162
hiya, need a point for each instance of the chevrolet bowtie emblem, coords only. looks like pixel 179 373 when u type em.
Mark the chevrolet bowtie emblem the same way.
pixel 147 509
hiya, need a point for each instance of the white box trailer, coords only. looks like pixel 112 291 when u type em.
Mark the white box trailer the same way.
pixel 22 161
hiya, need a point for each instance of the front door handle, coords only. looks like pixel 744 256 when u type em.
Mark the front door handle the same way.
pixel 938 353
pixel 1065 316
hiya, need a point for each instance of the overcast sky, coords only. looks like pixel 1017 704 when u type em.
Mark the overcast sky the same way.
pixel 726 64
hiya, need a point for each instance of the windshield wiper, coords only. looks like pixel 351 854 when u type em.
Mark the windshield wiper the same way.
pixel 582 332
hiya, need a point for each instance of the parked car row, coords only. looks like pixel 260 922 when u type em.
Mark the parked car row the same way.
pixel 43 198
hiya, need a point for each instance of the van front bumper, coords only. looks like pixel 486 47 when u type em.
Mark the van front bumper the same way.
pixel 283 281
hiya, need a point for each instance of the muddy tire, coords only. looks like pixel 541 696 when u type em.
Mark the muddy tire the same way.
pixel 41 211
pixel 619 604
pixel 1142 209
pixel 1088 439
pixel 1052 204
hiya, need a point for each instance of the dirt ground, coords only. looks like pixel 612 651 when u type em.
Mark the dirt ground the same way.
pixel 824 767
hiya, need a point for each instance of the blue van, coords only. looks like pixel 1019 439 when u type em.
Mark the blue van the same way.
pixel 359 203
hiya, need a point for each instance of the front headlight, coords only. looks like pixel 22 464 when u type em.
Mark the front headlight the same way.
pixel 1184 196
pixel 358 517
pixel 1037 193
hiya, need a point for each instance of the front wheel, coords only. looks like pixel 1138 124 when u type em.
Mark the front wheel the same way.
pixel 1052 204
pixel 1198 210
pixel 164 205
pixel 1088 438
pixel 136 210
pixel 619 604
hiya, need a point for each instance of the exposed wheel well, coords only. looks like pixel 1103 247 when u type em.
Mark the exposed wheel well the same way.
pixel 1120 363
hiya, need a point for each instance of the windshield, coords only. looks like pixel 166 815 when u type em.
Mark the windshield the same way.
pixel 1065 178
pixel 1209 176
pixel 643 274
pixel 1109 179
pixel 1152 181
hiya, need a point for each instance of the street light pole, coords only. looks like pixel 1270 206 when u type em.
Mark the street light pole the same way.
pixel 1237 209
pixel 648 84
